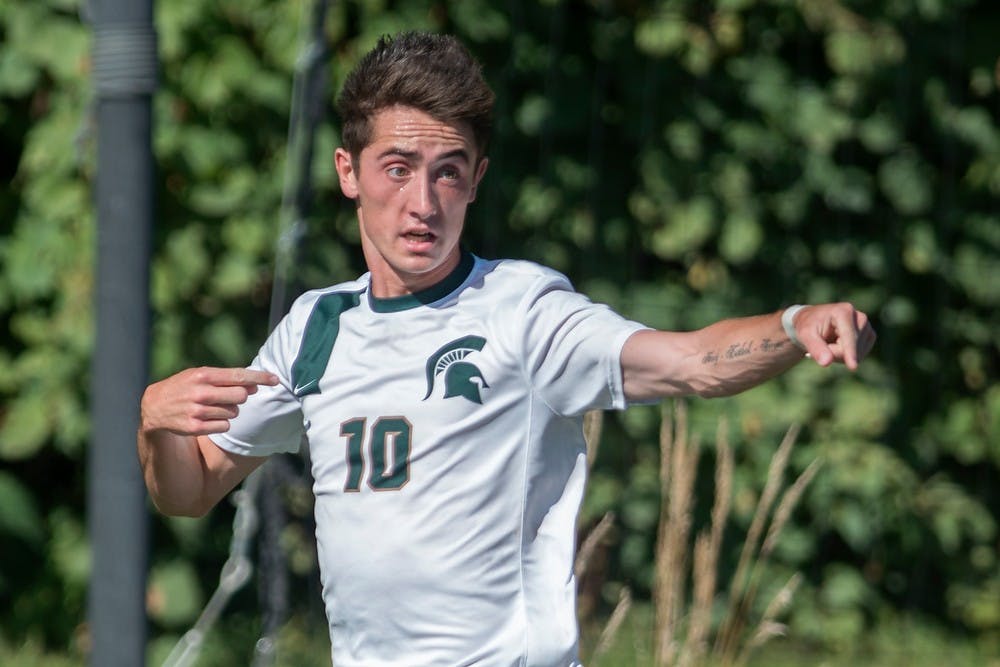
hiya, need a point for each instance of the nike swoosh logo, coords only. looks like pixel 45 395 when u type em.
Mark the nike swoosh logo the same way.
pixel 301 388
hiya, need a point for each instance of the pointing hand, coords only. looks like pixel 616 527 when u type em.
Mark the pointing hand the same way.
pixel 834 332
pixel 199 401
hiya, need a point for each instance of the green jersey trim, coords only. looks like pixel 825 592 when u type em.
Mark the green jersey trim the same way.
pixel 435 293
pixel 318 339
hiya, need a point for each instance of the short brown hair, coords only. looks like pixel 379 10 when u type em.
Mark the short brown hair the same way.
pixel 433 73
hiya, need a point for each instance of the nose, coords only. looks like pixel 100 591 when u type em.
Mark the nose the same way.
pixel 423 200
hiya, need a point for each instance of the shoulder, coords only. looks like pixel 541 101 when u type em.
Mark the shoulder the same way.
pixel 338 296
pixel 314 307
pixel 308 317
pixel 520 276
pixel 519 295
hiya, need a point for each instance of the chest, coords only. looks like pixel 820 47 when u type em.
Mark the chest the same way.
pixel 433 369
pixel 404 399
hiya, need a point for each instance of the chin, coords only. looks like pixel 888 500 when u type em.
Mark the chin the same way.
pixel 422 261
pixel 423 268
pixel 416 264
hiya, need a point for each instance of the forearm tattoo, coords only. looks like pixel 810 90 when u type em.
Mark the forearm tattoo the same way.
pixel 743 349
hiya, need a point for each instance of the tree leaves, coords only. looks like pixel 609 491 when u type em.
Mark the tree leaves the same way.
pixel 19 515
pixel 904 181
pixel 174 598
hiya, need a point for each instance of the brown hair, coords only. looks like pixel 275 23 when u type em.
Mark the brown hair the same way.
pixel 433 73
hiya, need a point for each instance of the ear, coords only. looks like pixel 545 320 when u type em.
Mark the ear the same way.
pixel 480 172
pixel 346 172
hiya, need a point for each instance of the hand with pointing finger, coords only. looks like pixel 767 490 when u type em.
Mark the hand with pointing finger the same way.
pixel 833 333
pixel 200 401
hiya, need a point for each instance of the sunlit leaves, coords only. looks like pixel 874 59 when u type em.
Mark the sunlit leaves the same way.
pixel 19 515
pixel 68 549
pixel 863 409
pixel 226 340
pixel 860 50
pixel 661 35
pixel 226 195
pixel 479 20
pixel 816 121
pixel 844 588
pixel 687 226
pixel 920 251
pixel 536 204
pixel 879 133
pixel 972 264
pixel 174 598
pixel 977 606
pixel 204 150
pixel 684 139
pixel 17 73
pixel 45 272
pixel 185 263
pixel 25 427
pixel 532 114
pixel 30 32
pixel 741 238
pixel 953 514
pixel 903 179
pixel 969 429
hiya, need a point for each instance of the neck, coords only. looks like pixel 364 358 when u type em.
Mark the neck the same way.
pixel 388 282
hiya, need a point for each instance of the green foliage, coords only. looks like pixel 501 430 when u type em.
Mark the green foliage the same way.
pixel 19 517
pixel 681 161
pixel 892 642
pixel 175 597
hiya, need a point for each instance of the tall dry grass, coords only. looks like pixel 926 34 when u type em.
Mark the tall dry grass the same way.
pixel 683 628
pixel 593 423
pixel 733 642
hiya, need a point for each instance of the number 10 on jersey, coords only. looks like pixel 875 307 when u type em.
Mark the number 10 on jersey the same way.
pixel 388 453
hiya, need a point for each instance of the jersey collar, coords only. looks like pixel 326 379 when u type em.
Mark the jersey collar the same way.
pixel 434 293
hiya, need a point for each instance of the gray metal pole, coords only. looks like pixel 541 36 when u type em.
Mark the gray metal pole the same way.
pixel 124 66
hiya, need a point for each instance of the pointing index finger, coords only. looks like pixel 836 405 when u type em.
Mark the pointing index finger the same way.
pixel 847 328
pixel 250 376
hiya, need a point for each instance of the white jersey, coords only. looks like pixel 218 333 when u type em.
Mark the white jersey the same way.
pixel 446 442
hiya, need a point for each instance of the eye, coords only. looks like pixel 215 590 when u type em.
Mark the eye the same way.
pixel 450 173
pixel 397 172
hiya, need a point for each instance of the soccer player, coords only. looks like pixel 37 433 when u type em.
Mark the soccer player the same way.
pixel 441 394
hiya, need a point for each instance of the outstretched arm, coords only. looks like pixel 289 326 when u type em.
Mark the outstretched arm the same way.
pixel 730 356
pixel 185 472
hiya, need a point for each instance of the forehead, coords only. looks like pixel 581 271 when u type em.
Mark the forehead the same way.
pixel 414 130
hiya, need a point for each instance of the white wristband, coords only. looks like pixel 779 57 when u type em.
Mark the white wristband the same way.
pixel 786 323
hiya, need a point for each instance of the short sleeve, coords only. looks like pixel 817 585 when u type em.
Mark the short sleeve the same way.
pixel 271 420
pixel 572 348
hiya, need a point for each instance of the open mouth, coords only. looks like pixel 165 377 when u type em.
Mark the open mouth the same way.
pixel 420 237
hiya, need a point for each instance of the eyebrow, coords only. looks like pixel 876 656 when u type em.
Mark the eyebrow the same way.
pixel 411 154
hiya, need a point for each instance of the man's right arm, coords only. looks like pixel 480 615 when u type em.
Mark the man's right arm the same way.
pixel 186 473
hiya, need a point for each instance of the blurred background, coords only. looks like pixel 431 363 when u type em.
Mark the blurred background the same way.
pixel 682 161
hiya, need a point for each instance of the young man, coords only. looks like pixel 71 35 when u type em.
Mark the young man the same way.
pixel 442 394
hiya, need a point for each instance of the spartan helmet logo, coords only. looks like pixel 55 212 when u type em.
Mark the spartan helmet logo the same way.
pixel 460 377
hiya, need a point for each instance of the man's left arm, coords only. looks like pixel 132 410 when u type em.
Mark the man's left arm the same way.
pixel 733 355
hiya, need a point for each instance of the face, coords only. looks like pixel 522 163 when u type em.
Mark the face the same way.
pixel 411 185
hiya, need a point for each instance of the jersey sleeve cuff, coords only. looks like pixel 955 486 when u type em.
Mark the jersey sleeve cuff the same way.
pixel 236 446
pixel 616 380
